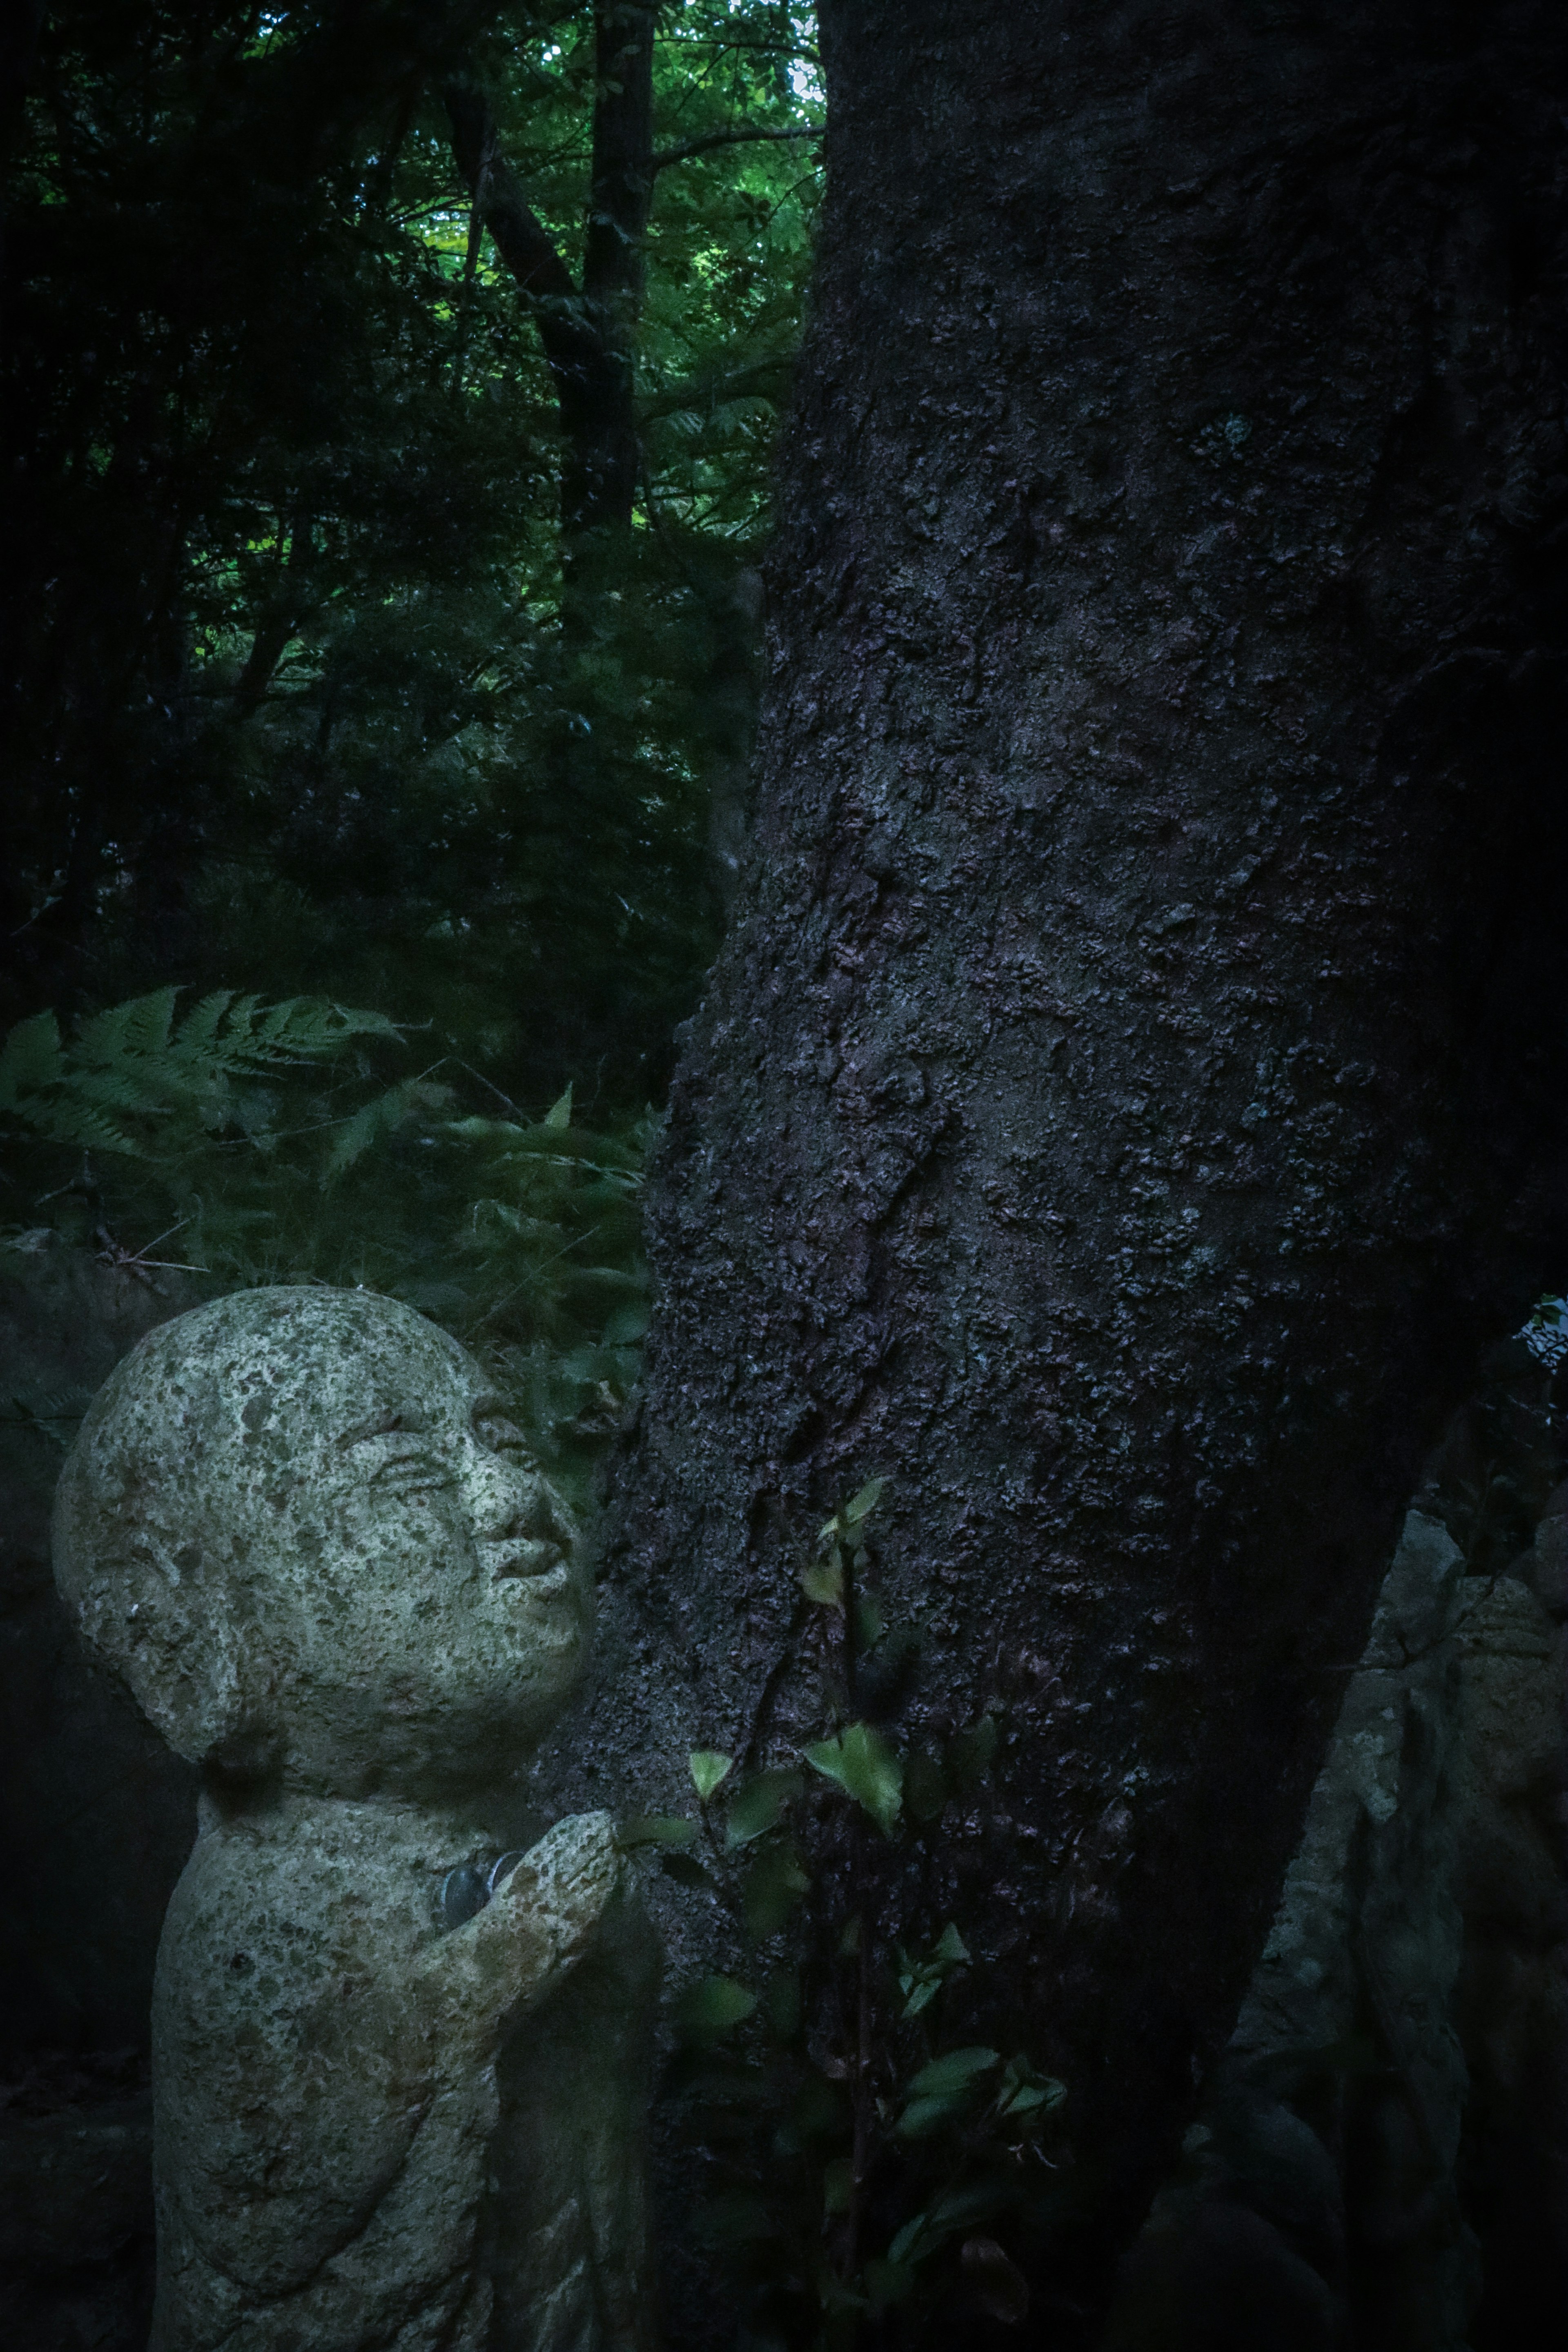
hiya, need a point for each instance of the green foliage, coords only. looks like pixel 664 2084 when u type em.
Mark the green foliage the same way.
pixel 708 1768
pixel 268 1138
pixel 854 2150
pixel 863 1764
pixel 133 1081
pixel 292 700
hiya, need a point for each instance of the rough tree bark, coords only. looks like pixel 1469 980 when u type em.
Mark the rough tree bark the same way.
pixel 1134 1080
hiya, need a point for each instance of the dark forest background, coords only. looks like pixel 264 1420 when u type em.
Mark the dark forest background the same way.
pixel 391 394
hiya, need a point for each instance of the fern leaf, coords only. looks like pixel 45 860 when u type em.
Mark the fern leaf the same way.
pixel 369 1124
pixel 65 1117
pixel 196 1039
pixel 138 1028
pixel 308 1028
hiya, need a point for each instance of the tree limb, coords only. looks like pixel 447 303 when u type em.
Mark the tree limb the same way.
pixel 689 147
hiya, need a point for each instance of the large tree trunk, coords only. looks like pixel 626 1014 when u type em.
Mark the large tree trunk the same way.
pixel 1135 1078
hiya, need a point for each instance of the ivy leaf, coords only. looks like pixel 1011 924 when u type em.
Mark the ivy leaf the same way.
pixel 863 1764
pixel 758 1805
pixel 823 1579
pixel 656 1829
pixel 922 1981
pixel 955 2069
pixel 861 1506
pixel 952 2211
pixel 715 2006
pixel 1023 2091
pixel 941 2089
pixel 708 1766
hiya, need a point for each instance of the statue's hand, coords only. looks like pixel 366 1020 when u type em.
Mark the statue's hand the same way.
pixel 534 1929
pixel 557 1894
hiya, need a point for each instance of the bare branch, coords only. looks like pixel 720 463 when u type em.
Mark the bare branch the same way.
pixel 690 147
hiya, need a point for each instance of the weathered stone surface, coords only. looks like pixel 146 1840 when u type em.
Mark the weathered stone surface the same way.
pixel 300 1526
pixel 1399 2067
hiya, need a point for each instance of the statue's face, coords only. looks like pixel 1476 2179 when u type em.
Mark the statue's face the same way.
pixel 440 1610
pixel 300 1524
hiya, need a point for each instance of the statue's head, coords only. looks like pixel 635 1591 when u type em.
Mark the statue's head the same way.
pixel 300 1524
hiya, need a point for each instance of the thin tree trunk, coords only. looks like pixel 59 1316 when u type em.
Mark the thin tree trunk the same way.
pixel 588 333
pixel 1134 1082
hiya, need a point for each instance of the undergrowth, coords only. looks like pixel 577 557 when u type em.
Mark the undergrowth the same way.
pixel 865 2175
pixel 250 1143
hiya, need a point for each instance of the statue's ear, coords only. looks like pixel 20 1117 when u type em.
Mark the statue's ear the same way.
pixel 163 1618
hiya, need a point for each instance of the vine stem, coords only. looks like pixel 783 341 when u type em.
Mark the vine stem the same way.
pixel 862 2094
pixel 862 2091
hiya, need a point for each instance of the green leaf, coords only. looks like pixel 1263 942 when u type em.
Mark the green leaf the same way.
pixel 713 2007
pixel 861 1506
pixel 922 2117
pixel 708 1766
pixel 823 1580
pixel 375 1119
pixel 558 1114
pixel 656 1829
pixel 969 1754
pixel 922 1981
pixel 955 2069
pixel 905 2241
pixel 954 2209
pixel 943 2090
pixel 758 1804
pixel 863 1764
pixel 1023 2091
pixel 869 1620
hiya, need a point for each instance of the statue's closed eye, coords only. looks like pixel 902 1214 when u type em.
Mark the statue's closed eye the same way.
pixel 413 1473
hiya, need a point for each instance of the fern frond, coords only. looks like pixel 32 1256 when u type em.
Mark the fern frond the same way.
pixel 369 1124
pixel 138 1029
pixel 196 1039
pixel 65 1117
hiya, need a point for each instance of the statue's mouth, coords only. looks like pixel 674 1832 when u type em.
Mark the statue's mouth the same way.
pixel 543 1566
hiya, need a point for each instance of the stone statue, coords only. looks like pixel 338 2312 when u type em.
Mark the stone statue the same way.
pixel 396 2066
